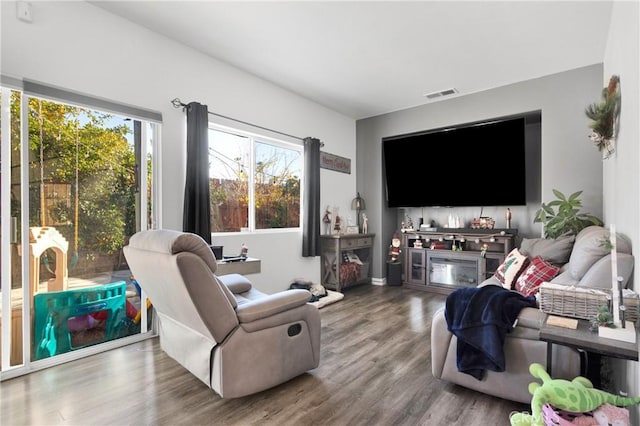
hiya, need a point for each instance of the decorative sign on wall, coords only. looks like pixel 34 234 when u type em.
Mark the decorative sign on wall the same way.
pixel 335 162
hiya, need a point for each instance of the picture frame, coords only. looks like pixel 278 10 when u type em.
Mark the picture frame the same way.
pixel 352 230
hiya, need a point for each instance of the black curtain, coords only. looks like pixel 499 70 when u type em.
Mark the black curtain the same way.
pixel 196 214
pixel 311 212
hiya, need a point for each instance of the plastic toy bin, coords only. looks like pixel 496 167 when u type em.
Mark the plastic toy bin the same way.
pixel 72 319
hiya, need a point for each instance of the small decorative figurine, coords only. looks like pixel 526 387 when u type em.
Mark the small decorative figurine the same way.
pixel 483 249
pixel 244 250
pixel 409 223
pixel 418 242
pixel 336 227
pixel 365 223
pixel 327 220
pixel 507 216
pixel 395 248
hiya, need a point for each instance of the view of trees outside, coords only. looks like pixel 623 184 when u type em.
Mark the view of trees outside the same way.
pixel 276 183
pixel 82 180
pixel 82 169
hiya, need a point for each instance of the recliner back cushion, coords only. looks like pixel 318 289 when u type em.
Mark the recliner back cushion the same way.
pixel 172 267
pixel 173 242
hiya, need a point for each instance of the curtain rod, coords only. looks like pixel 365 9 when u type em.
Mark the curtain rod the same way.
pixel 177 103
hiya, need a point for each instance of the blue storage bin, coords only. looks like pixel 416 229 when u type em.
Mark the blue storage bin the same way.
pixel 60 315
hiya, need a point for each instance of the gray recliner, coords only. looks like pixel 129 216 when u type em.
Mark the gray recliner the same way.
pixel 231 336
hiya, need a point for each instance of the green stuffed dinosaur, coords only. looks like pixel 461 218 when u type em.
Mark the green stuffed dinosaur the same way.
pixel 576 396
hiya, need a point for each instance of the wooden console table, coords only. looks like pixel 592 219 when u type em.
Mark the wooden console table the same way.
pixel 346 260
pixel 449 258
pixel 590 345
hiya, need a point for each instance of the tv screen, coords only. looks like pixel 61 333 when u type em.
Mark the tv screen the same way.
pixel 480 164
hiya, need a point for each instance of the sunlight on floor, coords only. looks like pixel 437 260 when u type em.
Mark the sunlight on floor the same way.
pixel 416 315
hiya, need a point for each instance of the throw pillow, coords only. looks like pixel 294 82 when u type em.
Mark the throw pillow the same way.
pixel 538 271
pixel 556 251
pixel 510 269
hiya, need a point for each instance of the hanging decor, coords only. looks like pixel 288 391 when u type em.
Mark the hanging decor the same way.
pixel 604 116
pixel 335 162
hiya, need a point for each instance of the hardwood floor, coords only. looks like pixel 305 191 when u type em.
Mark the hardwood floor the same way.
pixel 375 369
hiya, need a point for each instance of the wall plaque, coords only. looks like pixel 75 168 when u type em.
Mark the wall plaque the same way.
pixel 335 162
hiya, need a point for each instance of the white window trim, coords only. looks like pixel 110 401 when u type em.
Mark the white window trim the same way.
pixel 257 137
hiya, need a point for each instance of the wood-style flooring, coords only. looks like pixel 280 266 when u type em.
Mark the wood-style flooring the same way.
pixel 375 369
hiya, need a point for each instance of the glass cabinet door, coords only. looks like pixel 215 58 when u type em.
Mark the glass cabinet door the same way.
pixel 454 269
pixel 416 266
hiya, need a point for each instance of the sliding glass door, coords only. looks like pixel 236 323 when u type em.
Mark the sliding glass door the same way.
pixel 81 183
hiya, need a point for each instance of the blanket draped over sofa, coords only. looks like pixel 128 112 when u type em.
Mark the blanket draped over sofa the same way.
pixel 480 318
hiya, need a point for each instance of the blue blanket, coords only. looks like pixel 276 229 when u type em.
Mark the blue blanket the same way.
pixel 481 317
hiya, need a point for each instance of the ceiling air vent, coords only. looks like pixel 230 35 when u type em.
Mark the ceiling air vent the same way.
pixel 441 93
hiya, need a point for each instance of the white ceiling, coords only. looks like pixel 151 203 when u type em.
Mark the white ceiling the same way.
pixel 365 58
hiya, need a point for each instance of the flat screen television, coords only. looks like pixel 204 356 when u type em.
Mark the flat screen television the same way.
pixel 478 164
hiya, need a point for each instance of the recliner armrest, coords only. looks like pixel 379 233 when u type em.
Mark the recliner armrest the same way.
pixel 272 304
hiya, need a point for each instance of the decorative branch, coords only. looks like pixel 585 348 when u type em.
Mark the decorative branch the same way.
pixel 604 116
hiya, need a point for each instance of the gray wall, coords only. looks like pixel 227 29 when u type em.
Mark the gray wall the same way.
pixel 568 160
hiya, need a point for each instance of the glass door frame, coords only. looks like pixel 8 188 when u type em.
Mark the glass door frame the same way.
pixel 6 370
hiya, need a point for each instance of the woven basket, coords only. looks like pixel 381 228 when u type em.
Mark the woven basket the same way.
pixel 568 301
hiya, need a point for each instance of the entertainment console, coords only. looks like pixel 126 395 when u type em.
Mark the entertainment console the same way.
pixel 450 258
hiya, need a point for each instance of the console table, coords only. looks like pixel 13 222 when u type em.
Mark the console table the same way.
pixel 589 344
pixel 449 258
pixel 345 260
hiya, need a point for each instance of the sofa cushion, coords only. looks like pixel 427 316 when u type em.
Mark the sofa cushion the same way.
pixel 556 251
pixel 538 271
pixel 510 269
pixel 589 248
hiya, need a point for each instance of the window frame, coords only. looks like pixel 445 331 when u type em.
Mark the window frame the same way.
pixel 31 90
pixel 254 138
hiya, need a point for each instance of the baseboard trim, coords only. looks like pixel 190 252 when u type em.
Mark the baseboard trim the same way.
pixel 378 281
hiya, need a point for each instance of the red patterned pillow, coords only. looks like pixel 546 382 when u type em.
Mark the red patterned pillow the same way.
pixel 538 271
pixel 513 265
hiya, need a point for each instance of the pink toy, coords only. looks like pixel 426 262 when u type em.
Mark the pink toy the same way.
pixel 604 415
pixel 81 323
pixel 608 414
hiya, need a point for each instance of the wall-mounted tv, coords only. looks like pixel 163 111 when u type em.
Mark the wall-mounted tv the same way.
pixel 476 164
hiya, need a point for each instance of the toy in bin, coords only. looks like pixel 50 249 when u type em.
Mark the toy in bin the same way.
pixel 72 319
pixel 556 397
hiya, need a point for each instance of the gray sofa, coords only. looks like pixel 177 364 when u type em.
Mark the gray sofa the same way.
pixel 585 263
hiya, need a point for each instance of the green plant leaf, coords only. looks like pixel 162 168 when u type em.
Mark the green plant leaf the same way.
pixel 563 216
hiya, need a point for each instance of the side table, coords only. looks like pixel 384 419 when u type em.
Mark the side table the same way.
pixel 346 260
pixel 589 344
pixel 250 265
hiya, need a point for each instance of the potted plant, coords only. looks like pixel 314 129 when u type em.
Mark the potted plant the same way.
pixel 562 216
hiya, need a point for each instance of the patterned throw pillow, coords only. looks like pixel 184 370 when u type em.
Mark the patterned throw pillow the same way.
pixel 538 271
pixel 513 265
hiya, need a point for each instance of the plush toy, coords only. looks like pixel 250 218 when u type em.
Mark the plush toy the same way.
pixel 576 396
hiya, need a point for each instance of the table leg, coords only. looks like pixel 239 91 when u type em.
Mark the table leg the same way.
pixel 549 357
pixel 584 363
pixel 592 369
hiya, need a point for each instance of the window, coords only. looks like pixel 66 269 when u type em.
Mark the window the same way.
pixel 254 182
